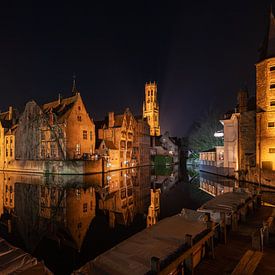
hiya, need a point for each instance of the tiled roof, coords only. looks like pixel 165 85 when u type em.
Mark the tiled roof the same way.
pixel 61 108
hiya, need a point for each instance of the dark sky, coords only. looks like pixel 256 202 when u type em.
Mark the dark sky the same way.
pixel 199 53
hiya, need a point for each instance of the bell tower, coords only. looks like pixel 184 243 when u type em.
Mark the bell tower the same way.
pixel 151 108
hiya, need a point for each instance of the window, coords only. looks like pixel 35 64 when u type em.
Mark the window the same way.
pixel 91 135
pixel 43 135
pixel 7 152
pixel 79 108
pixel 85 134
pixel 271 150
pixel 272 103
pixel 79 118
pixel 10 152
pixel 85 207
pixel 272 86
pixel 77 149
pixel 272 68
pixel 7 141
pixel 43 151
pixel 10 140
pixel 53 150
pixel 271 124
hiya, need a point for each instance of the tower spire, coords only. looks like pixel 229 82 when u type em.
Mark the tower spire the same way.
pixel 74 89
pixel 268 47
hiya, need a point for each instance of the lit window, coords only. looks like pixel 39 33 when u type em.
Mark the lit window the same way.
pixel 85 207
pixel 271 150
pixel 85 134
pixel 43 151
pixel 78 149
pixel 272 86
pixel 271 124
pixel 43 135
pixel 53 153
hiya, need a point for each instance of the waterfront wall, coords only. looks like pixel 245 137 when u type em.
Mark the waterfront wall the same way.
pixel 62 167
pixel 55 166
pixel 223 171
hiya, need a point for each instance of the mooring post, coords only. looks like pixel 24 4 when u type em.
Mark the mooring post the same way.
pixel 223 227
pixel 243 211
pixel 189 260
pixel 155 265
pixel 234 222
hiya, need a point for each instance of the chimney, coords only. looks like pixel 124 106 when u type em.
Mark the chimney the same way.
pixel 242 100
pixel 111 116
pixel 10 113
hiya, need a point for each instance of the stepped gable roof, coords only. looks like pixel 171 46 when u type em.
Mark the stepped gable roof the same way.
pixel 60 107
pixel 267 49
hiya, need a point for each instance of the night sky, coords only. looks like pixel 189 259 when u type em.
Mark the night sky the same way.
pixel 199 53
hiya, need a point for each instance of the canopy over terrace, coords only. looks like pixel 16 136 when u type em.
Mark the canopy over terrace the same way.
pixel 162 240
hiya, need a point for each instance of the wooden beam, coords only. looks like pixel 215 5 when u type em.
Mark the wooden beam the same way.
pixel 174 265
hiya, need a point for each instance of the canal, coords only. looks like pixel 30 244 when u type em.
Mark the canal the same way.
pixel 68 220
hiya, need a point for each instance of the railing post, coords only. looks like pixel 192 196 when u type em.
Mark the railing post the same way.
pixel 155 265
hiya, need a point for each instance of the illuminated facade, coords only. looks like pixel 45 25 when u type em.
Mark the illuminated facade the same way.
pixel 119 129
pixel 151 108
pixel 59 130
pixel 7 136
pixel 265 100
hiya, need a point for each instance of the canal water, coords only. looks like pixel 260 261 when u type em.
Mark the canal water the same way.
pixel 68 220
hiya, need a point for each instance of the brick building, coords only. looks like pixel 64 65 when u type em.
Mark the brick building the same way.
pixel 58 130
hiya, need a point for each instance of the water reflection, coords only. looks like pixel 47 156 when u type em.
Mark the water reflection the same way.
pixel 71 211
pixel 216 185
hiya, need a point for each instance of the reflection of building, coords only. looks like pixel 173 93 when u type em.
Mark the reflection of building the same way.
pixel 60 212
pixel 117 198
pixel 151 108
pixel 154 208
pixel 213 188
pixel 59 130
pixel 141 146
pixel 72 208
pixel 142 185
